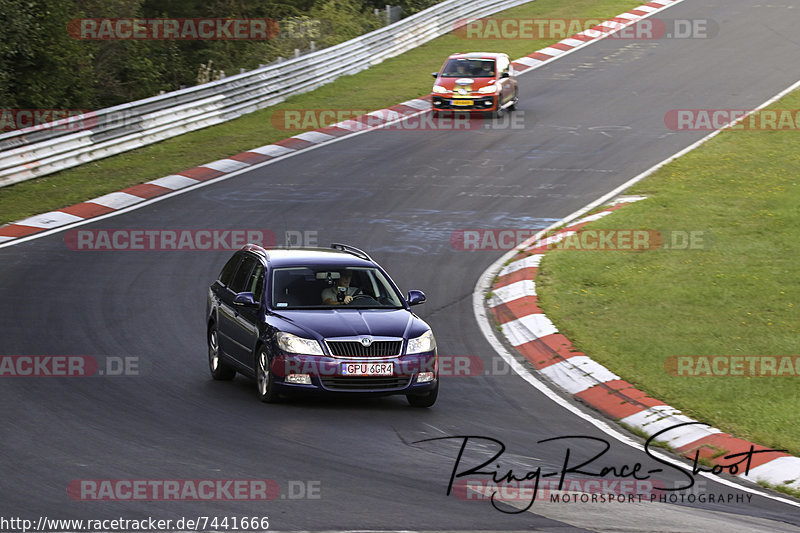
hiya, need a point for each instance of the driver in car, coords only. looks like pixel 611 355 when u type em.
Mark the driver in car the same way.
pixel 342 293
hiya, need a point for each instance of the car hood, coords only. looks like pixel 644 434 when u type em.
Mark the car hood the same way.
pixel 475 83
pixel 331 323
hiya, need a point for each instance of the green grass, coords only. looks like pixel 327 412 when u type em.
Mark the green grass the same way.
pixel 782 488
pixel 738 295
pixel 642 434
pixel 395 80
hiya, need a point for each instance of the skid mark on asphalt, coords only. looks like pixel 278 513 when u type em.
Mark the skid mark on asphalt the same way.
pixel 421 231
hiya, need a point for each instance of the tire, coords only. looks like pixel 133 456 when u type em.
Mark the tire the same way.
pixel 265 380
pixel 424 400
pixel 219 369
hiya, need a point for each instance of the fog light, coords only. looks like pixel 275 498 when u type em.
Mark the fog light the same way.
pixel 488 103
pixel 424 377
pixel 299 379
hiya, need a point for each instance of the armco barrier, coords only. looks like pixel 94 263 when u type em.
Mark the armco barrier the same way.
pixel 37 151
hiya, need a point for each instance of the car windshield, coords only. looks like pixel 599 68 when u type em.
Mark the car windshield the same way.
pixel 325 287
pixel 468 68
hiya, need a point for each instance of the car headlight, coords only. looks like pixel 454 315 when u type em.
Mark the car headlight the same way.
pixel 439 89
pixel 423 343
pixel 294 344
pixel 489 89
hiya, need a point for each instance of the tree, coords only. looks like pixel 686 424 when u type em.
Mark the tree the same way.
pixel 41 66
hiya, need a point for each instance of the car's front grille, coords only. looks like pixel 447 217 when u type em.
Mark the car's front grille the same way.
pixel 356 349
pixel 364 383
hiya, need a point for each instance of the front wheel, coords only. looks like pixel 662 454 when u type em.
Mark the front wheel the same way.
pixel 500 113
pixel 424 400
pixel 514 102
pixel 265 379
pixel 219 369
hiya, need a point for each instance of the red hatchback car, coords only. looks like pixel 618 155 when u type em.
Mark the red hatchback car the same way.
pixel 475 81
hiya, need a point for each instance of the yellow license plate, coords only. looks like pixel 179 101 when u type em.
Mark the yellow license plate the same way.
pixel 463 102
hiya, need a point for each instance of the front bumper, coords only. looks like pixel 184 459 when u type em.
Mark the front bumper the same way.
pixel 446 102
pixel 326 374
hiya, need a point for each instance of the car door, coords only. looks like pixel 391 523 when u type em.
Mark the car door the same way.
pixel 229 312
pixel 244 327
pixel 220 301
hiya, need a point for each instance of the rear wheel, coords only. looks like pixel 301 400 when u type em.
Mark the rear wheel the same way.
pixel 424 400
pixel 265 378
pixel 219 369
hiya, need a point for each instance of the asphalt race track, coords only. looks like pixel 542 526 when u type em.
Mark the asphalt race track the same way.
pixel 589 122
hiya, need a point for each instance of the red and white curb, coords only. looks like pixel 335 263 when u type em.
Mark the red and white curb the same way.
pixel 602 30
pixel 126 198
pixel 514 304
pixel 131 196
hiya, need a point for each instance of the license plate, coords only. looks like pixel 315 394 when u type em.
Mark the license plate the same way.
pixel 463 102
pixel 367 369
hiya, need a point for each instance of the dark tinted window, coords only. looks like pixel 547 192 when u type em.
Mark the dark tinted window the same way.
pixel 228 270
pixel 242 276
pixel 298 287
pixel 256 284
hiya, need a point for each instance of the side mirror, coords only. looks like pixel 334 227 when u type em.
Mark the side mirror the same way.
pixel 435 74
pixel 415 297
pixel 245 299
pixel 504 75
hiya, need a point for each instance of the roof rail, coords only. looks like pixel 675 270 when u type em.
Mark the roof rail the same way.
pixel 351 250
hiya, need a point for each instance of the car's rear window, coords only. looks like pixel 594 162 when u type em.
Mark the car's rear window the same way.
pixel 469 68
pixel 309 287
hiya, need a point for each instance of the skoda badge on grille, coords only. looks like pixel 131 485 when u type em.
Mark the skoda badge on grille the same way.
pixel 366 341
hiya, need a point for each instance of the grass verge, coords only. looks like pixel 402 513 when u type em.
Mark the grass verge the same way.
pixel 782 488
pixel 395 80
pixel 737 294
